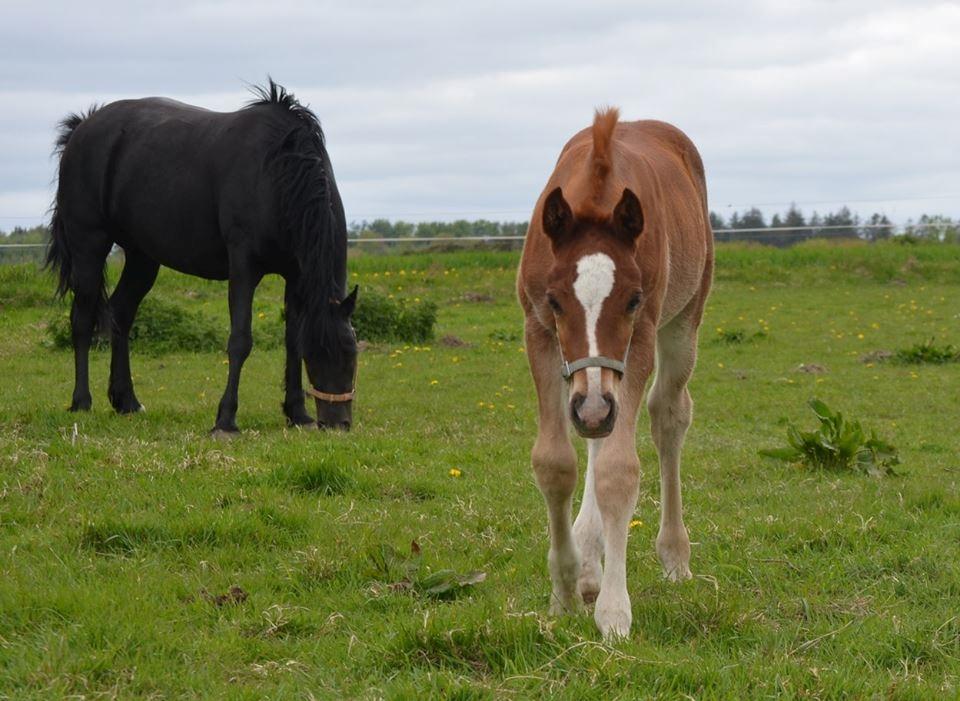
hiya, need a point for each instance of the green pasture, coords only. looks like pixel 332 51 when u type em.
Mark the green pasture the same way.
pixel 121 537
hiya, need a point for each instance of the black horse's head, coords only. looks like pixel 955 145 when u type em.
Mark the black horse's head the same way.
pixel 332 366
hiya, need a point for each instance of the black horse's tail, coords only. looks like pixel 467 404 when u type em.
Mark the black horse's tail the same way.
pixel 59 257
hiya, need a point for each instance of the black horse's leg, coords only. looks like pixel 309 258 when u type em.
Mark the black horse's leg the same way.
pixel 293 403
pixel 139 274
pixel 87 285
pixel 242 285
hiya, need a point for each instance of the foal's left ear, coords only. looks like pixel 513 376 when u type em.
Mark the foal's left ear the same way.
pixel 628 216
pixel 349 303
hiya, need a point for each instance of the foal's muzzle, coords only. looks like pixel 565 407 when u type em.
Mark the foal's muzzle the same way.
pixel 593 417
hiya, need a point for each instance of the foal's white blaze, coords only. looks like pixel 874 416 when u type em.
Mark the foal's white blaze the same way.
pixel 593 285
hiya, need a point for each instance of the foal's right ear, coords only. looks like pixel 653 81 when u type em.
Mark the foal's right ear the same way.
pixel 557 217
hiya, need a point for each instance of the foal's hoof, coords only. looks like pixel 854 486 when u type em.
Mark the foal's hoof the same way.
pixel 221 434
pixel 613 616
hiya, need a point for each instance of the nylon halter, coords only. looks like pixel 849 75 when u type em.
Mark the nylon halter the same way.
pixel 335 398
pixel 591 361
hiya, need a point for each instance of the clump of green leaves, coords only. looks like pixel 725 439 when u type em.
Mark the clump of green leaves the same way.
pixel 380 318
pixel 394 571
pixel 160 327
pixel 839 444
pixel 733 337
pixel 927 353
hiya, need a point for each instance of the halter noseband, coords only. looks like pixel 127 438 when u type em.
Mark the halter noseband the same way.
pixel 332 398
pixel 335 398
pixel 593 361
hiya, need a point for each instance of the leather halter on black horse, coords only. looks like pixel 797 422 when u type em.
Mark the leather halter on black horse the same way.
pixel 332 398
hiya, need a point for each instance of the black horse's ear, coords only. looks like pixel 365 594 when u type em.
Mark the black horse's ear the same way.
pixel 628 217
pixel 349 302
pixel 557 217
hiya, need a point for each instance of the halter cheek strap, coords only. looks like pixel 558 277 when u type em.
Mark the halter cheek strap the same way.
pixel 594 361
pixel 332 398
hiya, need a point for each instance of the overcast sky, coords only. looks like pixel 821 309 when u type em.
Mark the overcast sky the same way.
pixel 446 109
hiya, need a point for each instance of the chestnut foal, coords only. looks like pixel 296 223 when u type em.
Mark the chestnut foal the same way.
pixel 616 269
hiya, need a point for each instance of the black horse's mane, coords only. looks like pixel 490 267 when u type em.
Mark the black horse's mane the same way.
pixel 298 162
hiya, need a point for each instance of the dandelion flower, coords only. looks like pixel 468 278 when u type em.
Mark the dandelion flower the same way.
pixel 636 523
pixel 454 472
pixel 434 382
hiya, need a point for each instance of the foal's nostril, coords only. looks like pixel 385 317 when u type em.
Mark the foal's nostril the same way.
pixel 576 402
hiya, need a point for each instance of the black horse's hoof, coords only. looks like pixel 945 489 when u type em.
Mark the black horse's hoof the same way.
pixel 81 405
pixel 129 407
pixel 303 421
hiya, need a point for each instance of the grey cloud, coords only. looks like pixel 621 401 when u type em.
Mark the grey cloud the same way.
pixel 438 107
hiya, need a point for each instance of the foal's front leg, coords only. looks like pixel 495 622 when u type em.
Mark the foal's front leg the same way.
pixel 555 465
pixel 616 481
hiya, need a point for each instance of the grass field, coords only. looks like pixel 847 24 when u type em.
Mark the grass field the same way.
pixel 117 534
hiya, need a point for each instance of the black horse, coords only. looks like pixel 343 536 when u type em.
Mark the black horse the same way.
pixel 232 196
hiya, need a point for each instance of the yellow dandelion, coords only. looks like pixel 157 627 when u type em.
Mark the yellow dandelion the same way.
pixel 454 472
pixel 261 315
pixel 434 382
pixel 860 336
pixel 719 365
pixel 636 523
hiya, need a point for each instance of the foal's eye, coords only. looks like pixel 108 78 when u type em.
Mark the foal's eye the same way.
pixel 634 303
pixel 554 304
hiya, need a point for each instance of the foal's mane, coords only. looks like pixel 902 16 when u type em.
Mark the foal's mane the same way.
pixel 298 162
pixel 601 158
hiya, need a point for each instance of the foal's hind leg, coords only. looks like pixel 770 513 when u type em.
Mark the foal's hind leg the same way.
pixel 86 281
pixel 243 283
pixel 294 407
pixel 671 412
pixel 138 276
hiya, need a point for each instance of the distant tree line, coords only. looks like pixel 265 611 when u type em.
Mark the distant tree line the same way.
pixel 793 226
pixel 783 229
pixel 19 234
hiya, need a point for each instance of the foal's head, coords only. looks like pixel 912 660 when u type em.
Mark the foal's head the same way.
pixel 331 360
pixel 594 291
